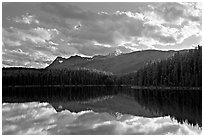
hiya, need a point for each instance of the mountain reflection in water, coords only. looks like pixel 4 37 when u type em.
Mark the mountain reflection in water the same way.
pixel 116 106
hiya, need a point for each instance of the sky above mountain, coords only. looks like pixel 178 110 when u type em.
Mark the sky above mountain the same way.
pixel 34 34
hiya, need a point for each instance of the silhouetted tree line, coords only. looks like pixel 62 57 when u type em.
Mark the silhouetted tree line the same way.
pixel 24 76
pixel 183 69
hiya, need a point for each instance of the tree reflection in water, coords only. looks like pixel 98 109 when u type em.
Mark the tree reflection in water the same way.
pixel 181 105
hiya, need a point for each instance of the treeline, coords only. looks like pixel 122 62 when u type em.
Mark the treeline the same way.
pixel 184 69
pixel 23 76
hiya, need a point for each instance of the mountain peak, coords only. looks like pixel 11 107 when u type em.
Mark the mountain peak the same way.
pixel 115 53
pixel 75 56
pixel 60 59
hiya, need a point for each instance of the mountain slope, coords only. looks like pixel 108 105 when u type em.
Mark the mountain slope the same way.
pixel 62 62
pixel 123 63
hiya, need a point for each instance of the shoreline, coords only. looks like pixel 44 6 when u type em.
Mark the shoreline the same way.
pixel 131 86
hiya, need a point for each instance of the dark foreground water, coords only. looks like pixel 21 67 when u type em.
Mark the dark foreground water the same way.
pixel 100 110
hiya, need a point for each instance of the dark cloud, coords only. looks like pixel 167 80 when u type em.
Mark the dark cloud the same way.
pixel 67 11
pixel 99 27
pixel 171 11
pixel 195 18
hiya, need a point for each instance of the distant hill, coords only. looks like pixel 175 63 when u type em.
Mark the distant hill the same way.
pixel 115 63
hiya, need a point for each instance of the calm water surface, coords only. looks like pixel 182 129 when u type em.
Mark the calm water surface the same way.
pixel 100 110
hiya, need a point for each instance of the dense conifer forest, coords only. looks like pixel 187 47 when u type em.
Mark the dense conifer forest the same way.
pixel 22 76
pixel 184 69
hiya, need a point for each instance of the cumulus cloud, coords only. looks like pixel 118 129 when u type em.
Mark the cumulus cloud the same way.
pixel 170 12
pixel 41 118
pixel 22 47
pixel 38 35
pixel 26 19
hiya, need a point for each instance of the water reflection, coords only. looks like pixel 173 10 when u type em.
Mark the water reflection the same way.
pixel 181 105
pixel 42 118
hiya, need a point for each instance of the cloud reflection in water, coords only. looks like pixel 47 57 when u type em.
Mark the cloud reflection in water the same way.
pixel 41 118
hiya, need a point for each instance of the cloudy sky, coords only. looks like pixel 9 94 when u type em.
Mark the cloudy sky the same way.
pixel 34 34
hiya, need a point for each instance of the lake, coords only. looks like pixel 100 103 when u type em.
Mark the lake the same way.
pixel 100 110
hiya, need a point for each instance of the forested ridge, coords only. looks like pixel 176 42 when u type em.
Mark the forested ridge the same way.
pixel 184 69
